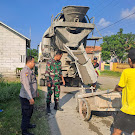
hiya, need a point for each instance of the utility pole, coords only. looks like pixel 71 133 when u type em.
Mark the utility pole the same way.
pixel 30 40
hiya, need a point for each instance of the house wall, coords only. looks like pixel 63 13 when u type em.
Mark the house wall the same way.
pixel 90 56
pixel 12 51
pixel 95 54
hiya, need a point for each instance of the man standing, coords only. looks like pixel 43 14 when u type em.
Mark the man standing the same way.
pixel 27 94
pixel 54 75
pixel 125 119
pixel 96 65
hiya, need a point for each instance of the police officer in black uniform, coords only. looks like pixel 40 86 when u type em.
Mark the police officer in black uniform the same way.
pixel 27 94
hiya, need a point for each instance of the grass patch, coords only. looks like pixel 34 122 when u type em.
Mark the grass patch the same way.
pixel 10 118
pixel 39 116
pixel 9 90
pixel 110 73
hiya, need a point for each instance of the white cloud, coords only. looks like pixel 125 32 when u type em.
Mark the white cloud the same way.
pixel 103 23
pixel 127 12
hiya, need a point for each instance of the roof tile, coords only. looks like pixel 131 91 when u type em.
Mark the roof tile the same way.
pixel 91 49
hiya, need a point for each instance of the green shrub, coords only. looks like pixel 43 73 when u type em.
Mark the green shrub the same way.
pixel 19 69
pixel 9 91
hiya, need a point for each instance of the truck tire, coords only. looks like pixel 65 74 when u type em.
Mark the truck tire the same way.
pixel 79 83
pixel 42 82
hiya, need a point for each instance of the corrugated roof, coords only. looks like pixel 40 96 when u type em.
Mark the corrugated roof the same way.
pixel 27 39
pixel 92 49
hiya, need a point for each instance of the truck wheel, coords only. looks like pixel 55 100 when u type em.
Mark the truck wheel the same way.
pixel 84 109
pixel 79 83
pixel 42 82
pixel 71 82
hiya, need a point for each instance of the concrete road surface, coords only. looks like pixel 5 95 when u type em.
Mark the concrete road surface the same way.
pixel 69 121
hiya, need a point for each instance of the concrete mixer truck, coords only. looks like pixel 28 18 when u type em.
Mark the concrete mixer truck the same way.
pixel 69 32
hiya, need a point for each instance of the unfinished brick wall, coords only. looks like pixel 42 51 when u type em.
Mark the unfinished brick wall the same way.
pixel 12 51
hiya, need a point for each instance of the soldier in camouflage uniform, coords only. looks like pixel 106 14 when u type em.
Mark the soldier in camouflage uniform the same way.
pixel 54 75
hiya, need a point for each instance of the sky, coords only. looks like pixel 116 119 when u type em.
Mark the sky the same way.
pixel 22 15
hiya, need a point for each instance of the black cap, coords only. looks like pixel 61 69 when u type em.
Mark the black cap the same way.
pixel 95 58
pixel 131 54
pixel 59 52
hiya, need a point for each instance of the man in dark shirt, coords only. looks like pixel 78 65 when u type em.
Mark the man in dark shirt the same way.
pixel 95 64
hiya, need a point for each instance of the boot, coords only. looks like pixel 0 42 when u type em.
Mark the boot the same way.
pixel 25 132
pixel 48 108
pixel 57 107
pixel 32 126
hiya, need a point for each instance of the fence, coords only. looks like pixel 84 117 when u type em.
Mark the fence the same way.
pixel 117 67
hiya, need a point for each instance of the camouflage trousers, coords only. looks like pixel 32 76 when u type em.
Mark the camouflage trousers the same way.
pixel 56 89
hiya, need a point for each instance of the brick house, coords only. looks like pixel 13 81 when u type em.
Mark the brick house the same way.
pixel 94 52
pixel 13 50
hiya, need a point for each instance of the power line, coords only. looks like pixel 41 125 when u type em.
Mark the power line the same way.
pixel 105 7
pixel 117 21
pixel 98 5
pixel 125 25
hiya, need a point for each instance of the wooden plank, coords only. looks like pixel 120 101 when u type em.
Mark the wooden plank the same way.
pixel 94 94
pixel 106 109
pixel 111 100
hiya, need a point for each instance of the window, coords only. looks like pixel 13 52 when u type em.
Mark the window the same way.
pixel 23 58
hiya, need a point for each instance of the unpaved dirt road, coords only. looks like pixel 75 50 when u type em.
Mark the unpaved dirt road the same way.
pixel 69 121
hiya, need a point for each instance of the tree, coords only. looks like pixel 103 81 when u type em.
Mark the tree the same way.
pixel 34 53
pixel 117 45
